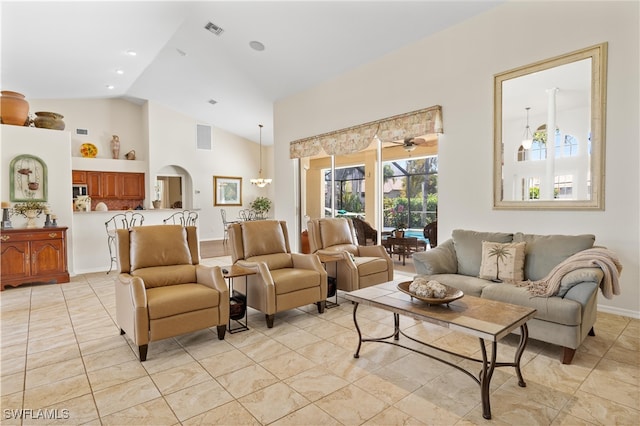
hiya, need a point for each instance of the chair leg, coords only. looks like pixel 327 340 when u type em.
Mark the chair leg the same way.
pixel 222 329
pixel 567 355
pixel 321 306
pixel 269 319
pixel 143 352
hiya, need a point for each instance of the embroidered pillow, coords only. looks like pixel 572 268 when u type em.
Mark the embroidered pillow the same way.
pixel 502 261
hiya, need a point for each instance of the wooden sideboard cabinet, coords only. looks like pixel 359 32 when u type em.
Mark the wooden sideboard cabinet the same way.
pixel 33 255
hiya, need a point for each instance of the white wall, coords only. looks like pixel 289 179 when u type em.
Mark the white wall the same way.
pixel 455 69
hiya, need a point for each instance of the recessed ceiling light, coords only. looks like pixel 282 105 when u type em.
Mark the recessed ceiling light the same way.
pixel 119 71
pixel 131 52
pixel 256 45
pixel 110 86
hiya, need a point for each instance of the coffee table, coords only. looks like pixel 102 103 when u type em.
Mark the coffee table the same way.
pixel 482 318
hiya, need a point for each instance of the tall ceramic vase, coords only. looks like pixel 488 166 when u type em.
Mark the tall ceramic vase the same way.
pixel 14 109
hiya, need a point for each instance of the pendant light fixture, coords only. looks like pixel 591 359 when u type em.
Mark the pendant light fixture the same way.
pixel 260 181
pixel 527 138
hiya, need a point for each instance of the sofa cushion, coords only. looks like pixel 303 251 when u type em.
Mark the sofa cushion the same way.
pixel 158 246
pixel 502 261
pixel 544 252
pixel 468 245
pixel 552 309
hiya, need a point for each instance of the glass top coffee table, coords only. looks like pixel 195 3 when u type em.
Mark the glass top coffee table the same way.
pixel 482 318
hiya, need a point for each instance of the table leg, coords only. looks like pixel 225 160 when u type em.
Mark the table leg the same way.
pixel 355 321
pixel 524 335
pixel 485 377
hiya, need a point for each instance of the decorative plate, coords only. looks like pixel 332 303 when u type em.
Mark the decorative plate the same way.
pixel 451 295
pixel 88 150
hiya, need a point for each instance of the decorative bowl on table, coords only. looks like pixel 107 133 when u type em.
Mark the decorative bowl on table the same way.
pixel 450 295
pixel 88 150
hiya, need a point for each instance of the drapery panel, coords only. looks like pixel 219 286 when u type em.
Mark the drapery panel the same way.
pixel 353 139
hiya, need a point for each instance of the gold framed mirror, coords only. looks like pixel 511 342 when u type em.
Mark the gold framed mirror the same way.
pixel 563 170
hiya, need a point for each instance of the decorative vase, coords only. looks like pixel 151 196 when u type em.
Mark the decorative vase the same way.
pixel 49 120
pixel 14 109
pixel 115 147
pixel 31 218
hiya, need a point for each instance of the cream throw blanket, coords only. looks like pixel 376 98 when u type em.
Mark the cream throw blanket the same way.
pixel 594 257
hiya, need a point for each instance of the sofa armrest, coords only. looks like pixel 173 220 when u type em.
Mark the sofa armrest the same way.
pixel 577 277
pixel 440 260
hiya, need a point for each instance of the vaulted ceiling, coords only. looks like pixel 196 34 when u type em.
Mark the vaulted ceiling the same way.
pixel 81 49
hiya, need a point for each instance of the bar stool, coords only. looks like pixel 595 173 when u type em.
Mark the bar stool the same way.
pixel 126 220
pixel 184 218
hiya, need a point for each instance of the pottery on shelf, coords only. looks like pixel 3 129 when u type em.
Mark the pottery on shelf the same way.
pixel 49 120
pixel 14 109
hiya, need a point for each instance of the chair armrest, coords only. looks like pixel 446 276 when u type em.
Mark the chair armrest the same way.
pixel 211 276
pixel 259 268
pixel 135 288
pixel 372 251
pixel 440 260
pixel 131 308
pixel 307 261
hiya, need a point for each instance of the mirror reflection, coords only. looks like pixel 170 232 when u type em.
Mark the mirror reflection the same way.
pixel 562 168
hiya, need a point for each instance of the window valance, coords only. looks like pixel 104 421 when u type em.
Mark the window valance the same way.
pixel 353 139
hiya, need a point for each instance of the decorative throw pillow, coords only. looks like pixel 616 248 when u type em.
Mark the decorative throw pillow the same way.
pixel 502 261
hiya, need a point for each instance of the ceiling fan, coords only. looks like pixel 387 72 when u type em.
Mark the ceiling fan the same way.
pixel 409 144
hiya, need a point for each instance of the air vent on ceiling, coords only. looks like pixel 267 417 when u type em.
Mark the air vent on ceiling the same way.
pixel 203 137
pixel 214 28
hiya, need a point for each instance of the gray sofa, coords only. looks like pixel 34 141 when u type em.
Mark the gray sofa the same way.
pixel 563 320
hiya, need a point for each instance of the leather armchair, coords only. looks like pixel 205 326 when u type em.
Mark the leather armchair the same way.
pixel 162 291
pixel 283 280
pixel 357 266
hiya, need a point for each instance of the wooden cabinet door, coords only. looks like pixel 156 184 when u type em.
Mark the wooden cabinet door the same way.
pixel 79 177
pixel 110 184
pixel 132 186
pixel 16 262
pixel 47 257
pixel 94 184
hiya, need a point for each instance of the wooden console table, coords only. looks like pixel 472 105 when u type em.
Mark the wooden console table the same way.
pixel 33 255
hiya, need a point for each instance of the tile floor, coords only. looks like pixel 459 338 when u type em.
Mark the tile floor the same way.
pixel 64 360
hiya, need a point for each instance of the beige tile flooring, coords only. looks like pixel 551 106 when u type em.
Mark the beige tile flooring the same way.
pixel 62 357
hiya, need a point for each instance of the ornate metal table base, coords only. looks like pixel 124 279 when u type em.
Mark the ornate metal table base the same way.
pixel 488 365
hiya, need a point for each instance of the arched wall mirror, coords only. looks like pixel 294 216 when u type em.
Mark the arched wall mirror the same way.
pixel 562 169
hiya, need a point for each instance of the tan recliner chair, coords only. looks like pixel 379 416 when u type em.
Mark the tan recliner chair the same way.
pixel 358 266
pixel 161 290
pixel 283 280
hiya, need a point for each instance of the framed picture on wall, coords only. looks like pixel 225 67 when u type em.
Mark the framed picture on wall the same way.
pixel 227 191
pixel 27 179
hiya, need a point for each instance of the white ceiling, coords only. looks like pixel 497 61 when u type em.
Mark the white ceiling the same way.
pixel 71 50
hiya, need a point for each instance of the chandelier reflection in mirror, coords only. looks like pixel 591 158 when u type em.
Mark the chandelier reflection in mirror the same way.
pixel 260 182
